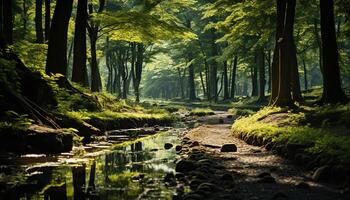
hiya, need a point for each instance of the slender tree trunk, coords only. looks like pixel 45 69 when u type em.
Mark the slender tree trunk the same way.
pixel 202 83
pixel 2 42
pixel 95 72
pixel 8 21
pixel 138 70
pixel 79 74
pixel 47 19
pixel 25 15
pixel 269 70
pixel 233 79
pixel 262 81
pixel 254 76
pixel 332 90
pixel 305 76
pixel 191 83
pixel 57 49
pixel 226 88
pixel 295 80
pixel 275 73
pixel 39 21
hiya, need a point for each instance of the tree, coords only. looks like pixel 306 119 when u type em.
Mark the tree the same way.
pixel 47 19
pixel 332 90
pixel 7 23
pixel 38 21
pixel 57 48
pixel 79 74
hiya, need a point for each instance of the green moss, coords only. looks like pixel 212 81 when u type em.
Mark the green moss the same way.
pixel 202 112
pixel 321 141
pixel 241 112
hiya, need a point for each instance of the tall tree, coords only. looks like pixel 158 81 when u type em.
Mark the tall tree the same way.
pixel 57 48
pixel 262 81
pixel 284 97
pixel 47 19
pixel 93 30
pixel 39 21
pixel 233 78
pixel 7 10
pixel 332 90
pixel 79 74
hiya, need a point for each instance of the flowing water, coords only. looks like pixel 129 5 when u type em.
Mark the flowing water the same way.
pixel 130 170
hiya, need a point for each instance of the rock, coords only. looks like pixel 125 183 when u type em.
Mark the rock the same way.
pixel 156 128
pixel 267 179
pixel 227 177
pixel 303 185
pixel 208 187
pixel 229 148
pixel 194 144
pixel 221 121
pixel 178 148
pixel 185 166
pixel 263 174
pixel 229 116
pixel 280 196
pixel 154 150
pixel 193 196
pixel 168 146
pixel 194 184
pixel 322 174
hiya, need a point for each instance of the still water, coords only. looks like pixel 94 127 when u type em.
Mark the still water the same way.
pixel 132 170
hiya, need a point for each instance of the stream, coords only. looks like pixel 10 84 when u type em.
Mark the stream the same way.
pixel 128 170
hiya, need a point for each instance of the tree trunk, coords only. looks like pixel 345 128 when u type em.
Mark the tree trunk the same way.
pixel 226 88
pixel 95 72
pixel 39 21
pixel 25 15
pixel 2 37
pixel 269 70
pixel 254 76
pixel 262 81
pixel 57 49
pixel 79 74
pixel 138 70
pixel 305 76
pixel 233 79
pixel 191 83
pixel 284 97
pixel 295 80
pixel 275 73
pixel 332 90
pixel 8 21
pixel 47 19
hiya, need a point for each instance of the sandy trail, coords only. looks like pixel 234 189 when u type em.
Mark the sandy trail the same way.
pixel 249 162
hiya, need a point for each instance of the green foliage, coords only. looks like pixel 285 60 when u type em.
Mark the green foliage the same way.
pixel 8 74
pixel 202 112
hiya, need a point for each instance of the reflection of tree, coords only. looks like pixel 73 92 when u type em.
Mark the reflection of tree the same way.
pixel 91 186
pixel 56 192
pixel 79 181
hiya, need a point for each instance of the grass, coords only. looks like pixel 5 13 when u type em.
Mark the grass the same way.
pixel 201 112
pixel 293 128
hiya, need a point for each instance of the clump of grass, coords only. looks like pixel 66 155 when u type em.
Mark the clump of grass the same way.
pixel 201 112
pixel 320 141
pixel 241 112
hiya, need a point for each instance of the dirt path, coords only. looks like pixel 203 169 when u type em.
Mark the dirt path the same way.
pixel 258 174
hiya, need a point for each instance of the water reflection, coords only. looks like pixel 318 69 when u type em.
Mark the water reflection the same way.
pixel 125 172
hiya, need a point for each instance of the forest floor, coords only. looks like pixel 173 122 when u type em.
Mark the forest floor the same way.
pixel 256 173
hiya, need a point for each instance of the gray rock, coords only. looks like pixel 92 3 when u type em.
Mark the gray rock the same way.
pixel 229 148
pixel 178 148
pixel 208 187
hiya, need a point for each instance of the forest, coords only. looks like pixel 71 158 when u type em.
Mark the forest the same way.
pixel 175 99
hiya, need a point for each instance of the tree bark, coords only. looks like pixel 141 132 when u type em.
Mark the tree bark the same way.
pixel 332 90
pixel 79 74
pixel 8 21
pixel 57 48
pixel 191 83
pixel 96 84
pixel 274 76
pixel 47 19
pixel 254 76
pixel 284 97
pixel 39 21
pixel 262 81
pixel 305 76
pixel 233 79
pixel 225 80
